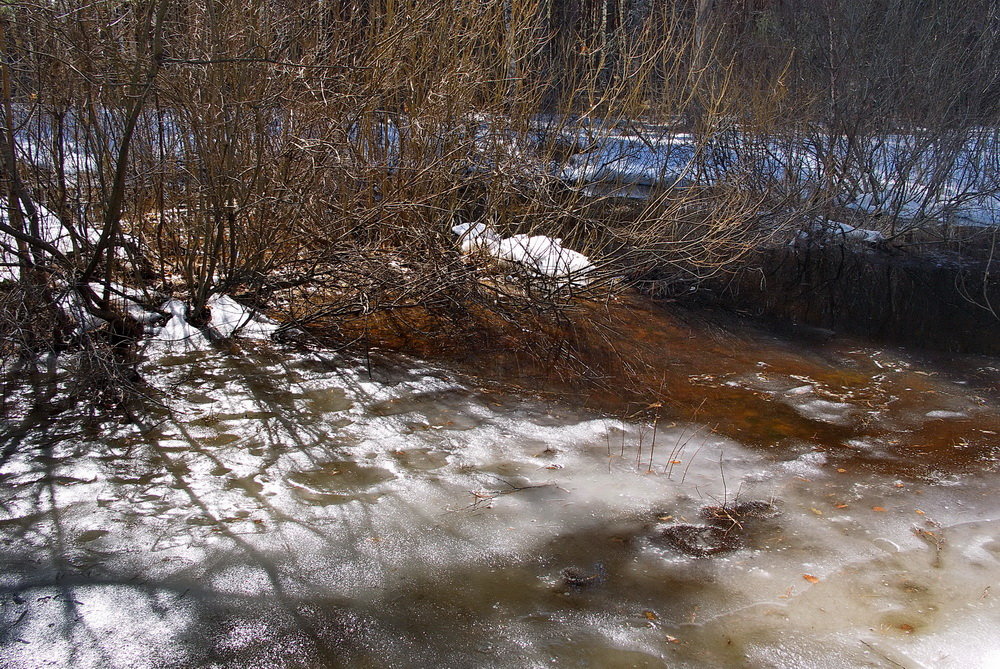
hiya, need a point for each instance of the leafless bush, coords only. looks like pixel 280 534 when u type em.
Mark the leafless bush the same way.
pixel 320 152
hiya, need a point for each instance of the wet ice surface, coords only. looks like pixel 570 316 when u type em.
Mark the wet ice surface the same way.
pixel 295 511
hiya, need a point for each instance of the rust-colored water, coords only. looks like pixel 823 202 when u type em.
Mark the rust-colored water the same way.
pixel 636 357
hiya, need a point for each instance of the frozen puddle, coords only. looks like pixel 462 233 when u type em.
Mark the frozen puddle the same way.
pixel 297 512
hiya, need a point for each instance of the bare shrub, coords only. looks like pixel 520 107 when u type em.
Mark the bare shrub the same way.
pixel 312 157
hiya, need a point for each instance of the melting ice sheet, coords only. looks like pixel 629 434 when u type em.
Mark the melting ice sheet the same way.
pixel 297 511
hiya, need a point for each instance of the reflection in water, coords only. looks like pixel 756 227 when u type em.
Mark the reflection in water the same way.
pixel 792 505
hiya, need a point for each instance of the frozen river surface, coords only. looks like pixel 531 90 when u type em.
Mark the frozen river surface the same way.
pixel 799 505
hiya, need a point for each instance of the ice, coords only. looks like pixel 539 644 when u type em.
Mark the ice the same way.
pixel 807 464
pixel 403 515
pixel 825 411
pixel 941 413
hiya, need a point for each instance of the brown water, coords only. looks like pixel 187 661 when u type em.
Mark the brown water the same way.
pixel 802 500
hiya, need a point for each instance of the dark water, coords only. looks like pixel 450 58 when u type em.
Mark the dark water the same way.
pixel 940 301
pixel 305 510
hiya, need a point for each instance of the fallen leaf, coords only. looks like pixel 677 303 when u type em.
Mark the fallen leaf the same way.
pixel 650 615
pixel 841 470
pixel 673 639
pixel 665 518
pixel 810 578
pixel 918 511
pixel 906 628
pixel 675 462
pixel 877 508
pixel 816 511
pixel 840 506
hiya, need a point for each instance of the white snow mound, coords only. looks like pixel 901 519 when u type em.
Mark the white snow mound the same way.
pixel 177 332
pixel 543 255
pixel 229 318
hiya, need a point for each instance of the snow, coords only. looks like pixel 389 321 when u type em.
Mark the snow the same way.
pixel 121 297
pixel 857 234
pixel 51 230
pixel 545 255
pixel 475 237
pixel 71 304
pixel 229 318
pixel 177 332
pixel 825 229
pixel 908 177
pixel 538 253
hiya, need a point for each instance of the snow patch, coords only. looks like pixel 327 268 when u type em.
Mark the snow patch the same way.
pixel 50 229
pixel 945 414
pixel 538 253
pixel 229 318
pixel 177 332
pixel 826 230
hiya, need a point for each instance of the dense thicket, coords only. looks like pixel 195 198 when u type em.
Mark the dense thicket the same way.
pixel 259 146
